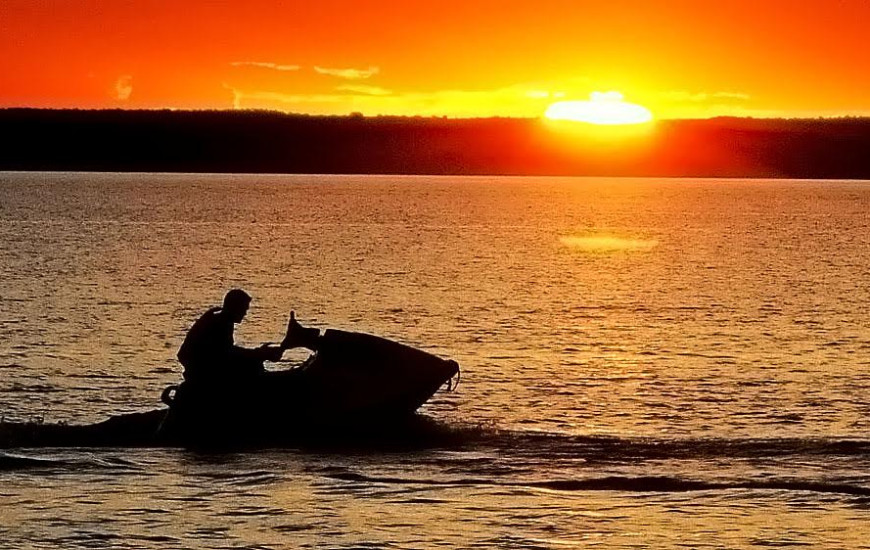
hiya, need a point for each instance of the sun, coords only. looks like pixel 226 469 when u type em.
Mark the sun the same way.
pixel 606 108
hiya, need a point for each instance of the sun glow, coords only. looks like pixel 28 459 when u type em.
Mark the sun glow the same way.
pixel 605 108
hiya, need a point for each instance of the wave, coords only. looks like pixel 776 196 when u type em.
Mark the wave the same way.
pixel 21 462
pixel 650 448
pixel 615 448
pixel 60 461
pixel 17 387
pixel 642 484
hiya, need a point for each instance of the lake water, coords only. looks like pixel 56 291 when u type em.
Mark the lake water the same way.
pixel 646 363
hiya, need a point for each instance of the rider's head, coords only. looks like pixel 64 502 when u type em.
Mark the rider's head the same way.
pixel 236 304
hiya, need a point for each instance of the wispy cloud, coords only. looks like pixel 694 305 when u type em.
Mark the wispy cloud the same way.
pixel 372 101
pixel 258 99
pixel 265 65
pixel 778 113
pixel 350 74
pixel 237 95
pixel 732 95
pixel 700 104
pixel 362 89
pixel 124 87
pixel 700 97
pixel 544 94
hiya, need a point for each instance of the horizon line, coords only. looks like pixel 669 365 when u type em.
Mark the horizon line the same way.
pixel 359 115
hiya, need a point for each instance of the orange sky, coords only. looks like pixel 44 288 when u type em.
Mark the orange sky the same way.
pixel 680 58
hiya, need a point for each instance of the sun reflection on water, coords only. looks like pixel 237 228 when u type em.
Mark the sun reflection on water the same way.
pixel 607 243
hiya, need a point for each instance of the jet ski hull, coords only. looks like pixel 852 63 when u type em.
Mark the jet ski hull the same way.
pixel 353 380
pixel 356 388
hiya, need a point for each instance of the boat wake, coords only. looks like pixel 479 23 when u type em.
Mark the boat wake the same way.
pixel 419 432
pixel 456 455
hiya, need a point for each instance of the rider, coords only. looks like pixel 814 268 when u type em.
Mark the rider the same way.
pixel 210 355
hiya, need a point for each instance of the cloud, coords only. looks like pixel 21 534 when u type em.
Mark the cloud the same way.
pixel 365 90
pixel 512 101
pixel 544 94
pixel 700 97
pixel 731 95
pixel 237 95
pixel 798 114
pixel 350 74
pixel 265 65
pixel 259 99
pixel 677 104
pixel 124 87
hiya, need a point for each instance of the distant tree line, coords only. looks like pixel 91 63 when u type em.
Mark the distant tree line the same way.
pixel 268 142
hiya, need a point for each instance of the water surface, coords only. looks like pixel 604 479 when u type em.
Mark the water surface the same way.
pixel 646 363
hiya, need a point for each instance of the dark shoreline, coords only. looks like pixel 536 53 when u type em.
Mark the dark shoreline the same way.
pixel 266 142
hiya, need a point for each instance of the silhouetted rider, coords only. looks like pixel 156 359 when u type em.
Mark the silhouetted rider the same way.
pixel 209 353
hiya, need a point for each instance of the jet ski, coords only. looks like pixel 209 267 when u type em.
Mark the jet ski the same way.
pixel 353 381
pixel 356 387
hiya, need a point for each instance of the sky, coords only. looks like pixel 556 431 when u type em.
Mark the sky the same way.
pixel 456 58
